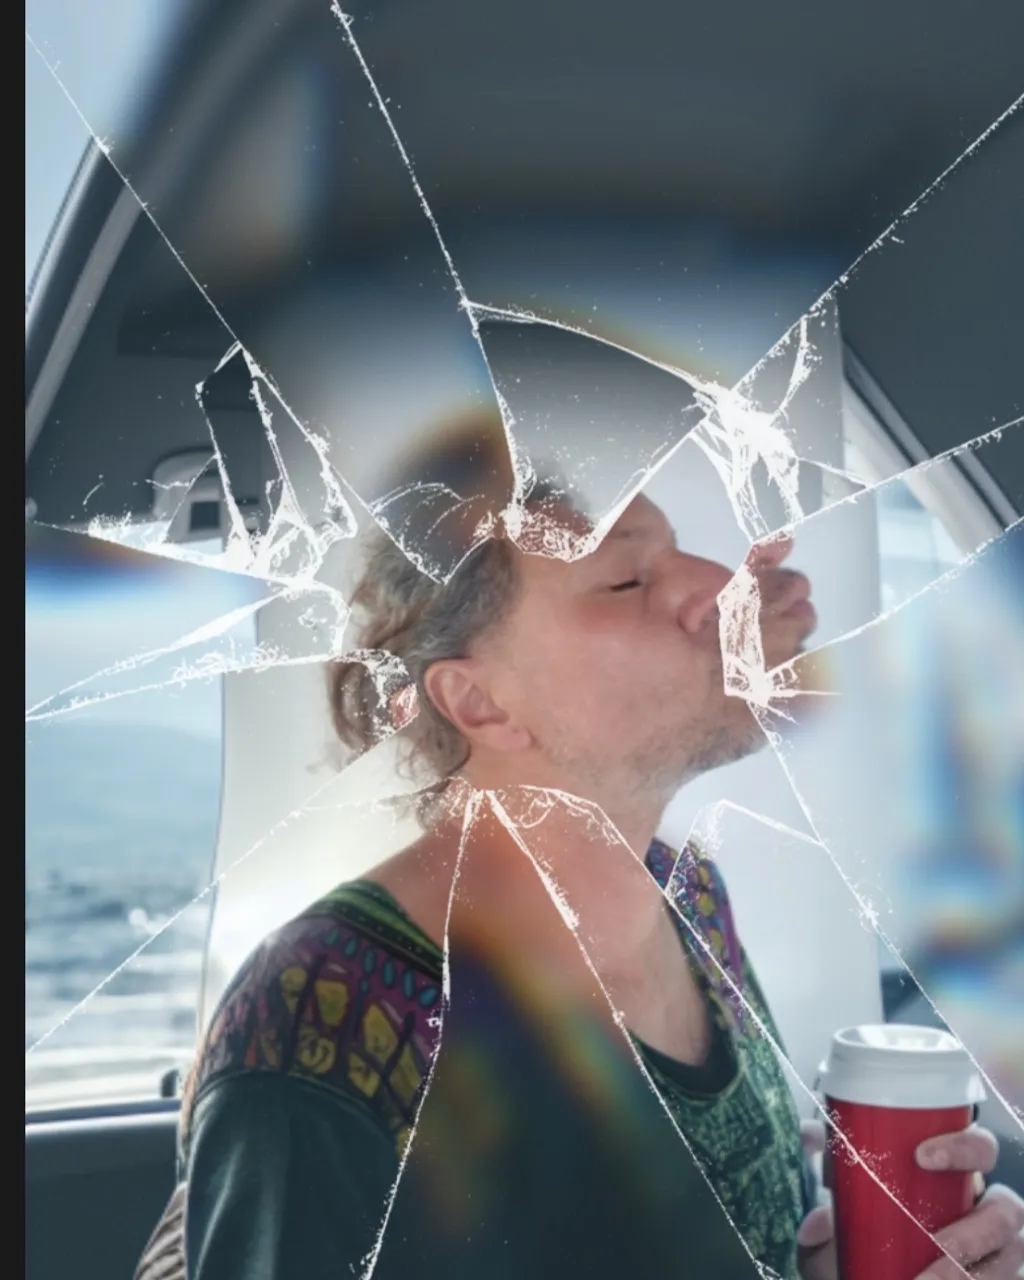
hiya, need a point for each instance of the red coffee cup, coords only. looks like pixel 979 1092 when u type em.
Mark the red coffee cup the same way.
pixel 887 1089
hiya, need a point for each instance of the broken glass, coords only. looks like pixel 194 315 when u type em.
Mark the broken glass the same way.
pixel 360 358
pixel 935 857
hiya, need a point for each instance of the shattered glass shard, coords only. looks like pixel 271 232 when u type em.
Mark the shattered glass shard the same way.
pixel 332 395
pixel 125 1012
pixel 596 417
pixel 122 480
pixel 139 621
pixel 499 1106
pixel 833 533
pixel 826 974
pixel 337 337
pixel 909 774
pixel 775 437
pixel 295 626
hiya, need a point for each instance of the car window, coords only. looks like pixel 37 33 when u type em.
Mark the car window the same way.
pixel 954 659
pixel 55 140
pixel 914 546
pixel 122 808
pixel 60 51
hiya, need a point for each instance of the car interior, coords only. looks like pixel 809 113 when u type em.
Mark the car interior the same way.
pixel 683 183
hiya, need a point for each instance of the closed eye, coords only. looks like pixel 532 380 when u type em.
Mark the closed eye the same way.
pixel 627 586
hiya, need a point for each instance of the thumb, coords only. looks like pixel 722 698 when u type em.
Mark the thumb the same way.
pixel 816 1229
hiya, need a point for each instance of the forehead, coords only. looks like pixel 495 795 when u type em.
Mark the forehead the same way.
pixel 640 520
pixel 641 524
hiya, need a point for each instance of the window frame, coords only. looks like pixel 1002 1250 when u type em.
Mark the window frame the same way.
pixel 963 497
pixel 168 1080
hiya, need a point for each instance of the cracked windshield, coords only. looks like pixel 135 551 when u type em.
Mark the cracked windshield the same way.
pixel 524 641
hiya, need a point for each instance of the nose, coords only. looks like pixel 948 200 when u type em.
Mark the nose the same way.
pixel 702 581
pixel 706 579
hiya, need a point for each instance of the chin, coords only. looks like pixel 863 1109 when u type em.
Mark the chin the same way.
pixel 750 742
pixel 728 744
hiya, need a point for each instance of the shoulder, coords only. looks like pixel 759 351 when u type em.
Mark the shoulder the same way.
pixel 695 885
pixel 345 995
pixel 690 876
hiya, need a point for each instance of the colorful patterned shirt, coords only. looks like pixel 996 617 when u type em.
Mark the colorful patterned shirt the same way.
pixel 318 1059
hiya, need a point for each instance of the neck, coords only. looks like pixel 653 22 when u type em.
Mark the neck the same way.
pixel 627 804
pixel 592 853
pixel 502 905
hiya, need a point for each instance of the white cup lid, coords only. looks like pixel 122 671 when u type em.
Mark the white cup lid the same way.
pixel 912 1068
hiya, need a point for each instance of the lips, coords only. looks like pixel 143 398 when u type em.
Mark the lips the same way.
pixel 795 603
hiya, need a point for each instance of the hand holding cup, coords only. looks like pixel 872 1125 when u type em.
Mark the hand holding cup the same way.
pixel 906 1166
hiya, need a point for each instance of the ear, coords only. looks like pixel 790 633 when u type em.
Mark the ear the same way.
pixel 458 689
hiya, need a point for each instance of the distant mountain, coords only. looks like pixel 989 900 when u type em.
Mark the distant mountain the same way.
pixel 97 793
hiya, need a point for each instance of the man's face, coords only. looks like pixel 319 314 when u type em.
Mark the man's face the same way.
pixel 613 662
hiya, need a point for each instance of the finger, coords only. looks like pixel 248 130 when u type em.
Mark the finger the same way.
pixel 972 1150
pixel 770 551
pixel 986 1231
pixel 816 1229
pixel 1004 1266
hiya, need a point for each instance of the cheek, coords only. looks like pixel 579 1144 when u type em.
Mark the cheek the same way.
pixel 626 681
pixel 569 686
pixel 598 669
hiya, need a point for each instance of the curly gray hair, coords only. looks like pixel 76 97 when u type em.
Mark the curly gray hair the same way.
pixel 408 615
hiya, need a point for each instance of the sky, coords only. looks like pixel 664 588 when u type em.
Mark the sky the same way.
pixel 86 616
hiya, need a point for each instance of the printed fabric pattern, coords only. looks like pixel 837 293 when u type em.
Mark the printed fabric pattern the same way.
pixel 349 995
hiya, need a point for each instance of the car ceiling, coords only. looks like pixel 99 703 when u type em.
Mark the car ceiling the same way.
pixel 811 127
